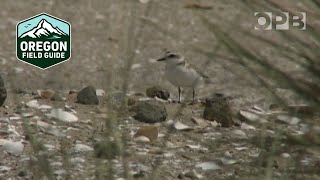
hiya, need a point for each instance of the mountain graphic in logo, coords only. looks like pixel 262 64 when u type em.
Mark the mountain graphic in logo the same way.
pixel 44 30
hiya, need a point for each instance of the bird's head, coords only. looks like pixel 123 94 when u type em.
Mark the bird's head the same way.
pixel 171 58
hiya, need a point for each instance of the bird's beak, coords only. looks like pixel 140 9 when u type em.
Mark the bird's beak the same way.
pixel 162 59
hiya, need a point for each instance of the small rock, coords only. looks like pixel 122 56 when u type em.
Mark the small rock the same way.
pixel 285 155
pixel 15 148
pixel 241 148
pixel 47 128
pixel 193 146
pixel 4 169
pixel 227 161
pixel 159 92
pixel 72 96
pixel 49 147
pixel 208 166
pixel 44 107
pixel 22 173
pixel 46 94
pixel 181 127
pixel 49 94
pixel 193 175
pixel 77 160
pixel 62 115
pixel 106 149
pixel 3 92
pixel 214 123
pixel 142 139
pixel 14 118
pixel 246 126
pixel 151 132
pixel 33 104
pixel 132 101
pixel 57 97
pixel 56 164
pixel 27 114
pixel 82 148
pixel 100 92
pixel 239 134
pixel 60 172
pixel 150 111
pixel 200 122
pixel 88 96
pixel 217 108
pixel 288 119
pixel 248 116
pixel 169 123
pixel 135 66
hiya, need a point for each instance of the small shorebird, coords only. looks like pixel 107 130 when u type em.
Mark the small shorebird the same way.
pixel 181 74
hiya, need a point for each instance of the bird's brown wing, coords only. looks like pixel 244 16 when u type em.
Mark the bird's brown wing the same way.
pixel 197 70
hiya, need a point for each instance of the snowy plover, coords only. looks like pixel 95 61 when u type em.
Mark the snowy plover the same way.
pixel 181 74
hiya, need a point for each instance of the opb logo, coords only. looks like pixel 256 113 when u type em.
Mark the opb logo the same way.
pixel 281 21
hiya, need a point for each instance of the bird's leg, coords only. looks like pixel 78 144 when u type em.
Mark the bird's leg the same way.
pixel 193 94
pixel 193 97
pixel 179 89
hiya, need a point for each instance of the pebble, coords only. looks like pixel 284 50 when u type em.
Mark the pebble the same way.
pixel 208 166
pixel 100 92
pixel 181 127
pixel 77 160
pixel 288 119
pixel 246 126
pixel 158 91
pixel 82 148
pixel 151 132
pixel 150 111
pixel 15 148
pixel 5 168
pixel 88 96
pixel 50 129
pixel 33 104
pixel 217 108
pixel 239 134
pixel 142 139
pixel 62 115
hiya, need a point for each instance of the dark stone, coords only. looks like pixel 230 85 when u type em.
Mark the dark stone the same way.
pixel 56 97
pixel 157 91
pixel 132 101
pixel 3 92
pixel 22 173
pixel 217 108
pixel 150 111
pixel 106 150
pixel 88 96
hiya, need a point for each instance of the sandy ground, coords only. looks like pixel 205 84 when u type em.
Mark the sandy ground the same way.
pixel 110 36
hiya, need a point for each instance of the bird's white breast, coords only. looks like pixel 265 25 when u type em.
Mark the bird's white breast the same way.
pixel 182 76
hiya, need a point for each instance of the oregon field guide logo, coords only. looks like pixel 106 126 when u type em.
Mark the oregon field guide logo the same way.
pixel 43 41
